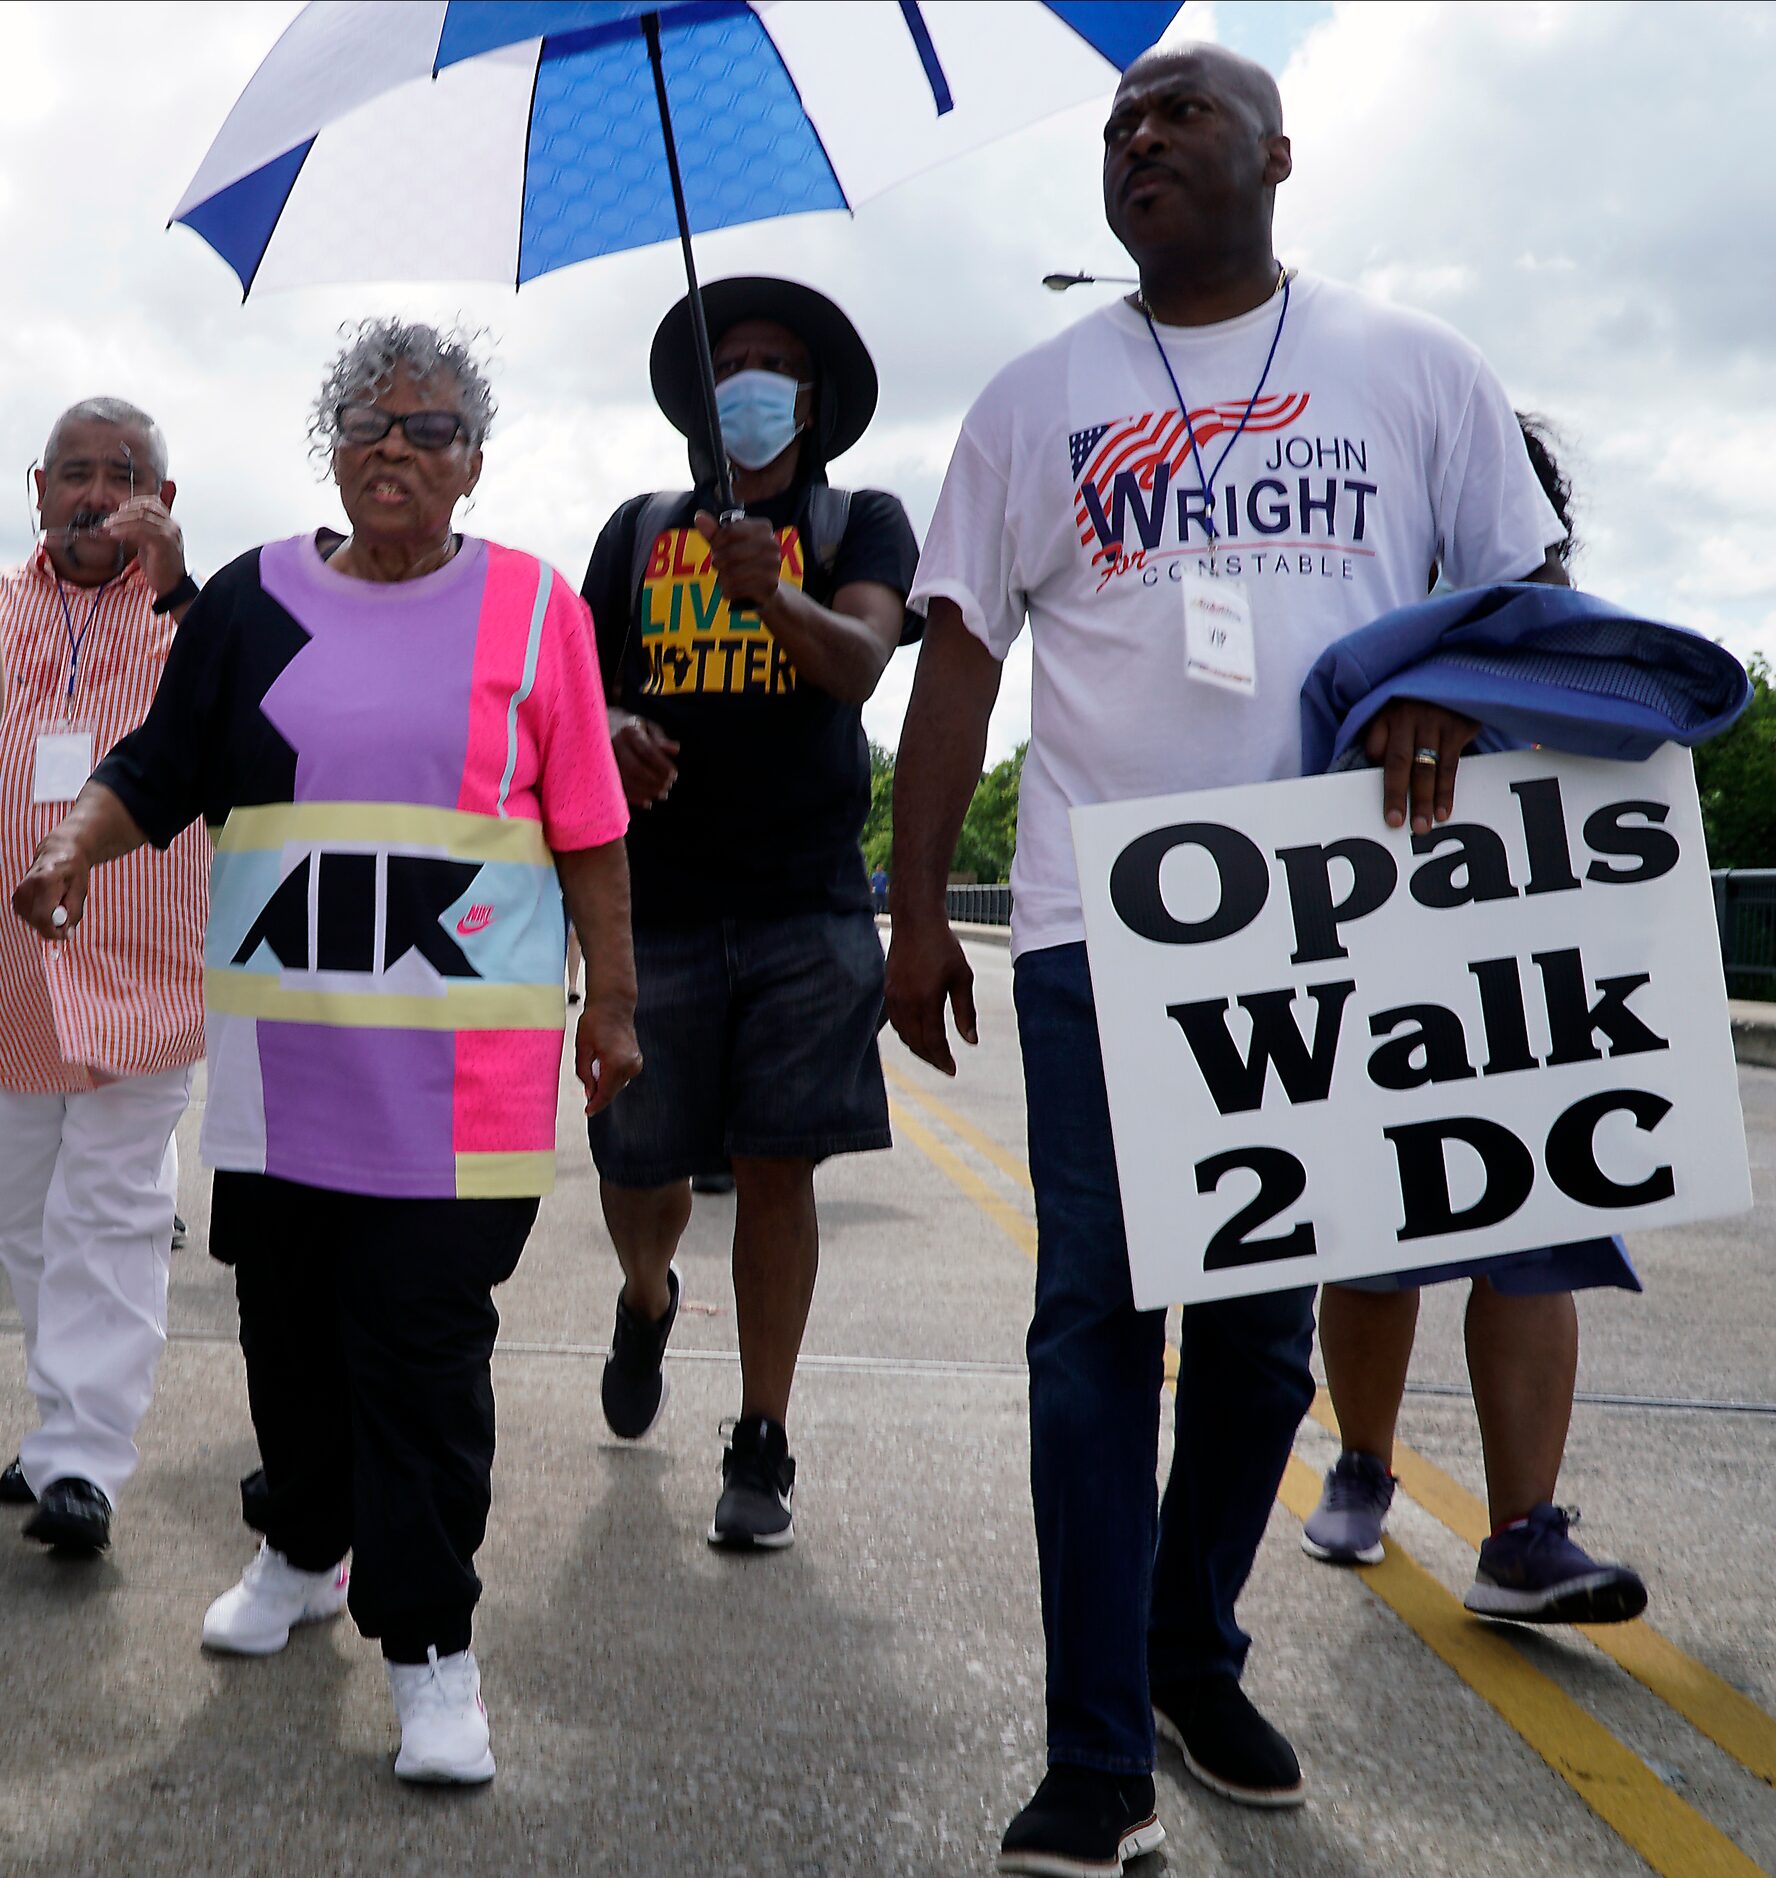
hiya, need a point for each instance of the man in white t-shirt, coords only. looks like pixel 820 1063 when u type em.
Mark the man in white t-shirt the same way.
pixel 1311 453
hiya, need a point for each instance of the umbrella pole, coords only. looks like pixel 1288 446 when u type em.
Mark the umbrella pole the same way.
pixel 724 485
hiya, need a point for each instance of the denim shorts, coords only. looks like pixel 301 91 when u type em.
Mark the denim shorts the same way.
pixel 758 1038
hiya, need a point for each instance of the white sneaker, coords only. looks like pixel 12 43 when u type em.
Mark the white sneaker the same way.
pixel 443 1720
pixel 256 1617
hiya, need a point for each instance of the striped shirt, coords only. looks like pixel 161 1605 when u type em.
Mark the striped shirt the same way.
pixel 123 994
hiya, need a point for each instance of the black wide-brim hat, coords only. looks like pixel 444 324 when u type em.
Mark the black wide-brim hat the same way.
pixel 845 373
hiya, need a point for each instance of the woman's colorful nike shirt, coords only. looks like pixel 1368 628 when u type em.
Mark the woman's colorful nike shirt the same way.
pixel 387 771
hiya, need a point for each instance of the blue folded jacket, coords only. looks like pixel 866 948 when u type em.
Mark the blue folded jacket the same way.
pixel 1535 665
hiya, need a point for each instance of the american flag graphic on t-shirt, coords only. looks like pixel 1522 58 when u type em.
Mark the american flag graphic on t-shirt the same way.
pixel 1138 445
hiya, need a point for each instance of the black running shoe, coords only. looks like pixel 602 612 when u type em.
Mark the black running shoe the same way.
pixel 1226 1743
pixel 635 1389
pixel 758 1484
pixel 72 1515
pixel 1534 1572
pixel 180 1233
pixel 1082 1824
pixel 15 1490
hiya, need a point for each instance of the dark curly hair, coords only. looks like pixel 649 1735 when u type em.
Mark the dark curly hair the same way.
pixel 1539 439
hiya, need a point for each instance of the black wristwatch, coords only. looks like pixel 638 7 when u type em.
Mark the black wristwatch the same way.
pixel 181 593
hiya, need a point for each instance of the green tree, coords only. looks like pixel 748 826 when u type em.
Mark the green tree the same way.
pixel 1736 779
pixel 877 839
pixel 989 829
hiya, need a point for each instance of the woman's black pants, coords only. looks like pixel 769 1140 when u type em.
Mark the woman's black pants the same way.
pixel 368 1325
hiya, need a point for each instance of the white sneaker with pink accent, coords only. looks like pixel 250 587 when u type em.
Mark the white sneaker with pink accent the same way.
pixel 444 1736
pixel 256 1617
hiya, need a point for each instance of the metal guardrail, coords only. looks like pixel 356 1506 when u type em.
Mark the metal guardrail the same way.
pixel 979 906
pixel 1744 911
pixel 1745 914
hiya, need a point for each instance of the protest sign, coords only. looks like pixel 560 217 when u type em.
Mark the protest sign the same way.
pixel 1335 1049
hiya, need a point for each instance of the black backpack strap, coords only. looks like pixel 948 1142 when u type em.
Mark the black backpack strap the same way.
pixel 829 512
pixel 652 513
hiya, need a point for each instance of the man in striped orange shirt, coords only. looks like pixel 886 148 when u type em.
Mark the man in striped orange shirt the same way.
pixel 97 1036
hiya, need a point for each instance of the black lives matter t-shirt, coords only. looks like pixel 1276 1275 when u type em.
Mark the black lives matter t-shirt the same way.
pixel 773 774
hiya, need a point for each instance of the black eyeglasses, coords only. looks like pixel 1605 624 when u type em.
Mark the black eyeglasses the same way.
pixel 70 531
pixel 425 430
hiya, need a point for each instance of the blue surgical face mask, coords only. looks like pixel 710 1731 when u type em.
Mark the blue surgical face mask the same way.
pixel 757 412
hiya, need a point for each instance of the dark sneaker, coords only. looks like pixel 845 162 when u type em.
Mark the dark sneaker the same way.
pixel 1082 1823
pixel 758 1483
pixel 1226 1743
pixel 1533 1572
pixel 15 1490
pixel 712 1183
pixel 1345 1528
pixel 72 1515
pixel 635 1389
pixel 180 1233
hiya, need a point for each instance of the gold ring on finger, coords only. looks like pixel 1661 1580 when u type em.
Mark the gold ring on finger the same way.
pixel 1425 754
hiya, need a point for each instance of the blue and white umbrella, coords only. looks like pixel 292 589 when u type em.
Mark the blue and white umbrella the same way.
pixel 501 139
pixel 438 139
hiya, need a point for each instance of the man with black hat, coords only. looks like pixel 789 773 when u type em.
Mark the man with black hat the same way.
pixel 738 653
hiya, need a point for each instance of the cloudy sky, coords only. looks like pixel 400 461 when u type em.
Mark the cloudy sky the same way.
pixel 1582 189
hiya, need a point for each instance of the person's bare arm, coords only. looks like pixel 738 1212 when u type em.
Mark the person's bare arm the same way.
pixel 97 829
pixel 595 885
pixel 840 649
pixel 936 769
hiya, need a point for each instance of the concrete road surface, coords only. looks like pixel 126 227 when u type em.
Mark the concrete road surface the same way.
pixel 870 1702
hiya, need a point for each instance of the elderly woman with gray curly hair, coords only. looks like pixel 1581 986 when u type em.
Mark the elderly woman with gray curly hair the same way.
pixel 399 741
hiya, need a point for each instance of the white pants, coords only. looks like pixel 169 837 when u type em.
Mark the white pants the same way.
pixel 87 1184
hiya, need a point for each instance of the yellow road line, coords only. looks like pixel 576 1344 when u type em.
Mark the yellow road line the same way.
pixel 1671 1836
pixel 1614 1782
pixel 1019 1230
pixel 1733 1722
pixel 1002 1158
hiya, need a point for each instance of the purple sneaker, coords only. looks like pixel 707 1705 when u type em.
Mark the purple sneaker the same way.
pixel 1533 1572
pixel 1345 1528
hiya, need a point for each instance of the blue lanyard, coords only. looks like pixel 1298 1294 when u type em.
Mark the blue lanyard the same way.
pixel 1208 483
pixel 75 643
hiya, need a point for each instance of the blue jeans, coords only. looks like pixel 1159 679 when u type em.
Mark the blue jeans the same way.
pixel 1131 1588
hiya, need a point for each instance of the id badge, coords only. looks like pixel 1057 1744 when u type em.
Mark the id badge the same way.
pixel 1218 646
pixel 62 762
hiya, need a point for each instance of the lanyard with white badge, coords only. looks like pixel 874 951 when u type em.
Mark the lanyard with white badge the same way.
pixel 64 754
pixel 1218 645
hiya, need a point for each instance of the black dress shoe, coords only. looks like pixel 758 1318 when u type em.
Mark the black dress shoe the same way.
pixel 1226 1743
pixel 1082 1824
pixel 14 1488
pixel 72 1515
